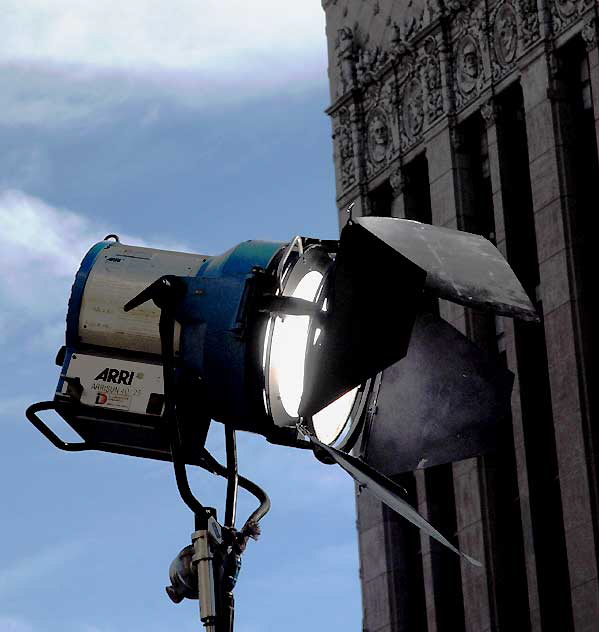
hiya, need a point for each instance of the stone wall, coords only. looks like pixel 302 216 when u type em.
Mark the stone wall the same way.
pixel 485 95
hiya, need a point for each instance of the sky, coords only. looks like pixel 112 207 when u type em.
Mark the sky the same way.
pixel 186 125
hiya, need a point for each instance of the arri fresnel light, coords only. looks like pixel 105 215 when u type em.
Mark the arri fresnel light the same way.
pixel 322 345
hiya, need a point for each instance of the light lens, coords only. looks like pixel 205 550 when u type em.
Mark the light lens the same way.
pixel 330 422
pixel 284 359
pixel 288 347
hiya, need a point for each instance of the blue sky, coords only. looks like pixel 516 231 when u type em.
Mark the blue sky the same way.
pixel 187 125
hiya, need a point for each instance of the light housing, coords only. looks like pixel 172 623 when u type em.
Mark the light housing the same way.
pixel 313 344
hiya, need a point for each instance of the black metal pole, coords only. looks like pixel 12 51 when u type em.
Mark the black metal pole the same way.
pixel 232 476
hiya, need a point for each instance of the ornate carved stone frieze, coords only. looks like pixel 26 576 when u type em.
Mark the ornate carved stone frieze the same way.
pixel 345 139
pixel 529 21
pixel 590 33
pixel 397 181
pixel 401 53
pixel 345 51
pixel 471 56
pixel 490 112
pixel 413 18
pixel 469 69
pixel 379 107
pixel 369 63
pixel 413 109
pixel 505 34
pixel 565 12
pixel 379 136
pixel 432 80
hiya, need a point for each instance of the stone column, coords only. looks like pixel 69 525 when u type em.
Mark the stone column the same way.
pixel 374 564
pixel 494 144
pixel 552 202
pixel 448 200
pixel 390 567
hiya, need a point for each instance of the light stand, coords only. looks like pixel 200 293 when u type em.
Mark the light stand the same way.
pixel 217 548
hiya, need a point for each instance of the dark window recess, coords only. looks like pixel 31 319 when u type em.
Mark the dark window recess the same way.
pixel 498 474
pixel 417 205
pixel 381 200
pixel 535 396
pixel 477 196
pixel 417 192
pixel 582 155
pixel 445 565
pixel 408 603
pixel 585 224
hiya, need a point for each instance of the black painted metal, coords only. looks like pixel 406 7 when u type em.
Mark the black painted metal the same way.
pixel 373 295
pixel 443 402
pixel 388 492
pixel 232 476
pixel 461 267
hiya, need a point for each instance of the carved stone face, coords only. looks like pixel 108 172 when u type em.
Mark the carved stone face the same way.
pixel 378 137
pixel 468 65
pixel 506 34
pixel 380 133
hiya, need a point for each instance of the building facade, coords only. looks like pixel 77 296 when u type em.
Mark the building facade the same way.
pixel 483 115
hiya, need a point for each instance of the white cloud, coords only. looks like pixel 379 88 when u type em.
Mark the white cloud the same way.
pixel 74 61
pixel 41 248
pixel 217 37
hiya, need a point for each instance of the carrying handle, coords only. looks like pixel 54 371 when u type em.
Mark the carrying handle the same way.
pixel 31 414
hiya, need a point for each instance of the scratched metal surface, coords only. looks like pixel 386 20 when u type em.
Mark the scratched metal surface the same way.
pixel 444 401
pixel 461 267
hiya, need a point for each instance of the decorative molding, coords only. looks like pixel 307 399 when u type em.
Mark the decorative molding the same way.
pixel 472 71
pixel 397 181
pixel 345 139
pixel 490 112
pixel 379 106
pixel 528 13
pixel 469 67
pixel 590 33
pixel 378 136
pixel 505 34
pixel 413 18
pixel 566 12
pixel 413 109
pixel 369 64
pixel 432 80
pixel 345 51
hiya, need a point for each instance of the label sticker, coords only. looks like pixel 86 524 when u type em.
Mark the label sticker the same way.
pixel 118 384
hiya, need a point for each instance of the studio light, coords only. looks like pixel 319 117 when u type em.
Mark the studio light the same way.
pixel 314 344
